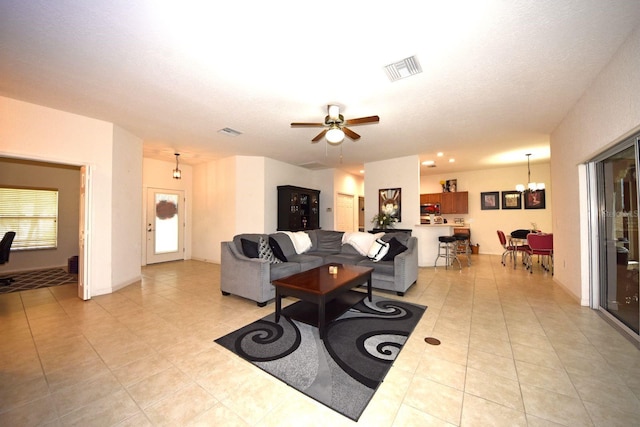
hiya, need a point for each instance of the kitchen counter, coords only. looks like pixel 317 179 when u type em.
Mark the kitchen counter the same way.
pixel 427 235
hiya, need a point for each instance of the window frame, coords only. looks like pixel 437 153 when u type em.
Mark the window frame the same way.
pixel 14 217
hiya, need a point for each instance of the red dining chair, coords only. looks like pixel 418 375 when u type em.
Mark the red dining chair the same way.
pixel 510 248
pixel 540 244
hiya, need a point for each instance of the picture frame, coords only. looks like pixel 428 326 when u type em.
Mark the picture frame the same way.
pixel 390 202
pixel 490 200
pixel 511 200
pixel 534 199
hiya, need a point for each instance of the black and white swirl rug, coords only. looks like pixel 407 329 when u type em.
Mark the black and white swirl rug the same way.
pixel 341 372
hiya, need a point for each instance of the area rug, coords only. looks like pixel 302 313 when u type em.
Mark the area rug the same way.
pixel 38 279
pixel 342 372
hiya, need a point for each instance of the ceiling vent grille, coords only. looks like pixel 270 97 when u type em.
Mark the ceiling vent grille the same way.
pixel 229 132
pixel 405 68
pixel 314 165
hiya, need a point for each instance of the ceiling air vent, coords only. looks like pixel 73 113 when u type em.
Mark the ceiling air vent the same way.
pixel 405 68
pixel 314 165
pixel 229 132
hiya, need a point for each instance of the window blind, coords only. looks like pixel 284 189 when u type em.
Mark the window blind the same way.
pixel 32 214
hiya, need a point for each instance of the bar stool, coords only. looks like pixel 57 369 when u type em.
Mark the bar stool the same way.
pixel 463 246
pixel 447 250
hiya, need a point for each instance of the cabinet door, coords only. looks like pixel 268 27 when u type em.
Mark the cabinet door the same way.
pixel 423 199
pixel 447 204
pixel 462 202
pixel 434 198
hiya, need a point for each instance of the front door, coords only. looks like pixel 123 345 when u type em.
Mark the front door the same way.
pixel 165 225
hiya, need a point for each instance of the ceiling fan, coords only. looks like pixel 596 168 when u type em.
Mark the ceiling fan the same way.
pixel 336 126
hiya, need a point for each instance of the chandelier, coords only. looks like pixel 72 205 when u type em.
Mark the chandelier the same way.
pixel 531 186
pixel 177 173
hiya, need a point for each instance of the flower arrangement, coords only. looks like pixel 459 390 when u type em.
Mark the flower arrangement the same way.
pixel 383 221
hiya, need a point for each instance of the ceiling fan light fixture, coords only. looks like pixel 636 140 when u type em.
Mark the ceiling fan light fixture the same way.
pixel 334 135
pixel 334 112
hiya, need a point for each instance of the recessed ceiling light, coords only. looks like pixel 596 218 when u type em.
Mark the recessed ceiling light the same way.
pixel 452 160
pixel 440 154
pixel 361 170
pixel 428 162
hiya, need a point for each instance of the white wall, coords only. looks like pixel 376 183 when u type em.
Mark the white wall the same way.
pixel 126 207
pixel 239 195
pixel 158 174
pixel 66 179
pixel 484 223
pixel 607 112
pixel 401 172
pixel 30 131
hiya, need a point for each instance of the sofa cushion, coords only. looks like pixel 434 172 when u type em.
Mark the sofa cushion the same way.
pixel 380 267
pixel 378 250
pixel 342 258
pixel 395 248
pixel 277 251
pixel 265 252
pixel 400 236
pixel 249 248
pixel 328 241
pixel 283 269
pixel 306 261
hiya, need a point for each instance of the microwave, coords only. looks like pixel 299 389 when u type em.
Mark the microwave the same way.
pixel 429 209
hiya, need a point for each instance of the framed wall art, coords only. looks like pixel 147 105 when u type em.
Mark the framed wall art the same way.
pixel 534 199
pixel 490 200
pixel 391 202
pixel 511 200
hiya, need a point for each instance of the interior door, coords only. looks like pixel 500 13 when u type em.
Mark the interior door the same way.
pixel 344 212
pixel 84 234
pixel 165 225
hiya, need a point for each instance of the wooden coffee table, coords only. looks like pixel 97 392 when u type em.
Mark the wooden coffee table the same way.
pixel 324 296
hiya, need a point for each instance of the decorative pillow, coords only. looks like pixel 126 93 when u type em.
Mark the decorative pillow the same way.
pixel 378 250
pixel 395 248
pixel 277 251
pixel 249 248
pixel 360 241
pixel 265 252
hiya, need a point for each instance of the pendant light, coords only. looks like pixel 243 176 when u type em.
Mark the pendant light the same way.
pixel 531 186
pixel 177 173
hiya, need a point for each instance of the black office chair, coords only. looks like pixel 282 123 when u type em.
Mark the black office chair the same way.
pixel 5 251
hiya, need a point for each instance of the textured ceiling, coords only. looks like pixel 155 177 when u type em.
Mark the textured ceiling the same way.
pixel 498 76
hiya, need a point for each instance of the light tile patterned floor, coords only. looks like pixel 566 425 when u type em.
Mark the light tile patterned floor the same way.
pixel 516 350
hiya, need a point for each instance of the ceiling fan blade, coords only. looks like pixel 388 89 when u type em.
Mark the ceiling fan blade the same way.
pixel 319 136
pixel 351 134
pixel 308 124
pixel 362 120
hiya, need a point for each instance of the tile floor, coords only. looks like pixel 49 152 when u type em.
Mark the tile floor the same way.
pixel 516 350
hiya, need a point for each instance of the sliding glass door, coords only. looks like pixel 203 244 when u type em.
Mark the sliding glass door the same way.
pixel 617 193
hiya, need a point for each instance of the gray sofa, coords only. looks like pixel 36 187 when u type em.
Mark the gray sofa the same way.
pixel 251 277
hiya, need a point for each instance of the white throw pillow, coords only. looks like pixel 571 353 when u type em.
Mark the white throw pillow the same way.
pixel 361 241
pixel 378 250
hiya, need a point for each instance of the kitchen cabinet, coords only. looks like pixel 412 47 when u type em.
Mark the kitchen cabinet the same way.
pixel 430 198
pixel 454 203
